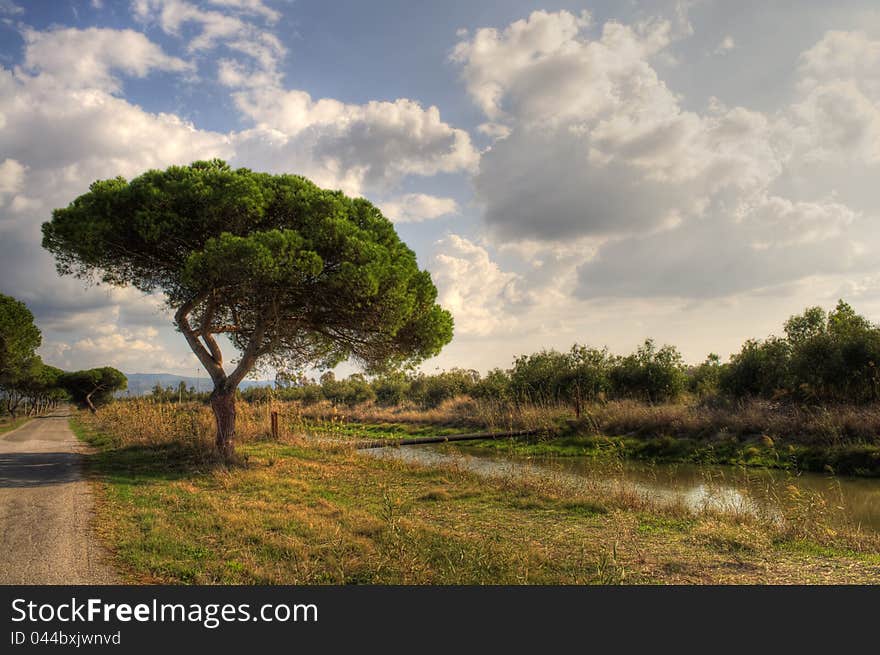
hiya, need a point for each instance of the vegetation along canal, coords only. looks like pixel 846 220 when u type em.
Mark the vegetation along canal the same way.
pixel 843 500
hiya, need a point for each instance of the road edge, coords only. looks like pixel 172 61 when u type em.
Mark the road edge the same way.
pixel 3 435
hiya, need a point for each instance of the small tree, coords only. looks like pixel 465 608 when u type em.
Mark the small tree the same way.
pixel 93 387
pixel 651 373
pixel 19 339
pixel 705 379
pixel 589 375
pixel 293 274
pixel 540 377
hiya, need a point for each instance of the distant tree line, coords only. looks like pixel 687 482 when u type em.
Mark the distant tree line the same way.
pixel 822 357
pixel 30 387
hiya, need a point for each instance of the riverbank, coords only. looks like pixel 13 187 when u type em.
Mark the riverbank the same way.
pixel 298 513
pixel 857 459
pixel 840 439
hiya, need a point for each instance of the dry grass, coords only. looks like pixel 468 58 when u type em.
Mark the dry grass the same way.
pixel 825 425
pixel 462 412
pixel 792 423
pixel 296 513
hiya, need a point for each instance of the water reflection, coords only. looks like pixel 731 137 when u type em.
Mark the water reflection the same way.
pixel 764 492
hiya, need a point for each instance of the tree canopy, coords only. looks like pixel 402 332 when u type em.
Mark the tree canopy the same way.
pixel 19 337
pixel 94 386
pixel 292 273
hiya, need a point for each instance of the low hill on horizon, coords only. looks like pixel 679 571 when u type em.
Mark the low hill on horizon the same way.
pixel 140 384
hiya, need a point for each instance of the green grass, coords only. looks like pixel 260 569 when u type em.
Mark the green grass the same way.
pixel 295 514
pixel 842 459
pixel 358 430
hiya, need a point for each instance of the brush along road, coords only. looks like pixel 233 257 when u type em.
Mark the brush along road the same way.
pixel 46 508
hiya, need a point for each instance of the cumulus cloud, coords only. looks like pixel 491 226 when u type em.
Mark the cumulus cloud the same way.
pixel 124 349
pixel 679 202
pixel 93 57
pixel 64 122
pixel 11 177
pixel 837 116
pixel 727 44
pixel 60 130
pixel 355 147
pixel 472 286
pixel 352 146
pixel 418 207
pixel 234 30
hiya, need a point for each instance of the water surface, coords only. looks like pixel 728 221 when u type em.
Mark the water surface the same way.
pixel 847 500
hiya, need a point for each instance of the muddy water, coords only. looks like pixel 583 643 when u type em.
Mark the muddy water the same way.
pixel 854 501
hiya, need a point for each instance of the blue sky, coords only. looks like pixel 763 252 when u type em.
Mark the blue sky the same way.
pixel 592 172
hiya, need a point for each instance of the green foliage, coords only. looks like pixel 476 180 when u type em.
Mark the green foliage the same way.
pixel 705 379
pixel 94 386
pixel 351 391
pixel 761 368
pixel 294 274
pixel 495 385
pixel 824 357
pixel 589 374
pixel 19 339
pixel 175 394
pixel 391 389
pixel 650 373
pixel 24 379
pixel 432 390
pixel 540 377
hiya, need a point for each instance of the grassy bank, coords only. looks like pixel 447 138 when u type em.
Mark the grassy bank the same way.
pixel 298 512
pixel 759 451
pixel 842 439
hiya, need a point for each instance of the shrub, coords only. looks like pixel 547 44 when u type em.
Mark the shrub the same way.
pixel 650 373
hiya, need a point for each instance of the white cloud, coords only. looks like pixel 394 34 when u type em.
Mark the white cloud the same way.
pixel 257 7
pixel 727 44
pixel 834 122
pixel 351 146
pixel 11 177
pixel 472 287
pixel 63 125
pixel 677 202
pixel 93 57
pixel 233 30
pixel 356 147
pixel 418 207
pixel 123 349
pixel 58 137
pixel 10 8
pixel 842 56
pixel 492 61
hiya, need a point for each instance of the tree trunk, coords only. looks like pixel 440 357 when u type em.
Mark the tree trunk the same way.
pixel 223 404
pixel 92 408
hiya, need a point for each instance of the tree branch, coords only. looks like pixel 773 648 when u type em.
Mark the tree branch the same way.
pixel 216 329
pixel 249 356
pixel 205 330
pixel 181 317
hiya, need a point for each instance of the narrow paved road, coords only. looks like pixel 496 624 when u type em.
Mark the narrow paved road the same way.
pixel 46 508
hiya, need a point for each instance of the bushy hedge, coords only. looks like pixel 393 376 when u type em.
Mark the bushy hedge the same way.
pixel 823 357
